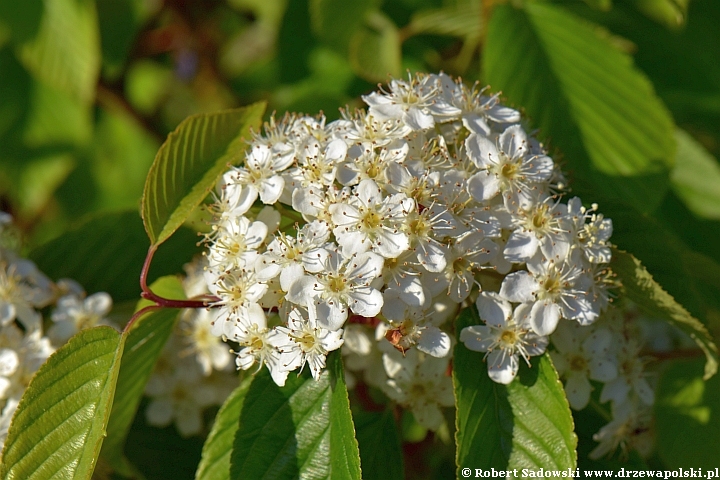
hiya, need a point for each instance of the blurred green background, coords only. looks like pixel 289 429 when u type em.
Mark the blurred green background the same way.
pixel 89 89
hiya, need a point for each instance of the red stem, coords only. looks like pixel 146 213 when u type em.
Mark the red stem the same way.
pixel 139 314
pixel 162 301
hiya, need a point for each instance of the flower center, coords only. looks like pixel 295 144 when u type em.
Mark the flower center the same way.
pixel 336 284
pixel 540 217
pixel 419 227
pixel 578 363
pixel 509 171
pixel 417 390
pixel 306 341
pixel 371 220
pixel 509 337
pixel 373 170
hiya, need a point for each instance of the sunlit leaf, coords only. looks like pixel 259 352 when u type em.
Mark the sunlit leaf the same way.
pixel 686 417
pixel 215 462
pixel 144 344
pixel 189 163
pixel 375 49
pixel 59 426
pixel 463 19
pixel 526 424
pixel 650 297
pixel 65 53
pixel 586 97
pixel 696 177
pixel 303 429
pixel 671 13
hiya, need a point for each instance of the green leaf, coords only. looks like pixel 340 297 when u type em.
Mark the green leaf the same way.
pixel 21 18
pixel 144 344
pixel 585 96
pixel 65 53
pixel 107 253
pixel 335 21
pixel 600 4
pixel 215 461
pixel 459 20
pixel 56 118
pixel 375 51
pixel 15 83
pixel 119 23
pixel 526 424
pixel 671 13
pixel 696 177
pixel 189 163
pixel 303 429
pixel 649 296
pixel 380 452
pixel 59 426
pixel 686 416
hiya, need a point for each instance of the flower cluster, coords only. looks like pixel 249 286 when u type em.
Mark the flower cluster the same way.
pixel 194 370
pixel 24 342
pixel 398 216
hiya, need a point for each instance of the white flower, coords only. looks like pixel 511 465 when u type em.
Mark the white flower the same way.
pixel 210 352
pixel 630 428
pixel 420 383
pixel 583 354
pixel 505 336
pixel 463 259
pixel 261 175
pixel 510 168
pixel 553 291
pixel 419 185
pixel 179 392
pixel 546 227
pixel 258 346
pixel 631 377
pixel 314 203
pixel 423 230
pixel 21 355
pixel 235 243
pixel 304 341
pixel 341 284
pixel 591 232
pixel 360 128
pixel 23 288
pixel 316 166
pixel 414 327
pixel 416 103
pixel 368 220
pixel 402 275
pixel 361 353
pixel 74 313
pixel 238 293
pixel 290 257
pixel 476 109
pixel 233 199
pixel 367 163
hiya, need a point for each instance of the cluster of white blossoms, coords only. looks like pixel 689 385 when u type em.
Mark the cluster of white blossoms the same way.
pixel 25 343
pixel 195 369
pixel 371 232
